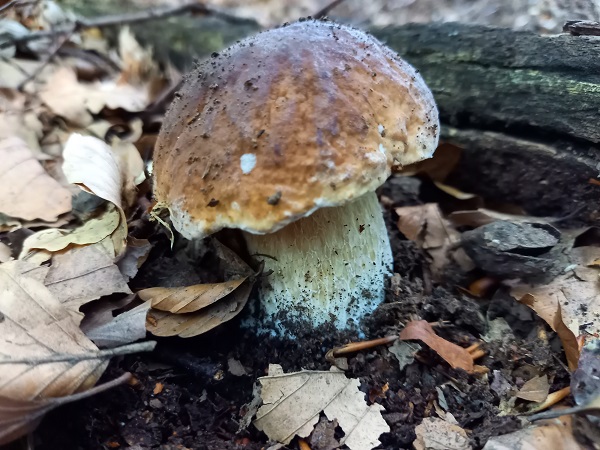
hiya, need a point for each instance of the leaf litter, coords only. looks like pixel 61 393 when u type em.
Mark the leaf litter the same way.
pixel 71 130
pixel 292 404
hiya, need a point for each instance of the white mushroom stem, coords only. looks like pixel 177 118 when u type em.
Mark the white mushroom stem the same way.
pixel 329 266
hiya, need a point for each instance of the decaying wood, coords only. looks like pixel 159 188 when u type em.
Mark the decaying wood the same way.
pixel 524 107
pixel 485 76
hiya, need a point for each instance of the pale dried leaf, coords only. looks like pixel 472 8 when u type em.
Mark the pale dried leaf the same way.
pixel 26 190
pixel 136 253
pixel 437 434
pixel 5 252
pixel 91 232
pixel 132 168
pixel 18 120
pixel 83 274
pixel 161 323
pixel 535 390
pixel 454 355
pixel 77 101
pixel 187 299
pixel 554 434
pixel 123 329
pixel 91 163
pixel 292 403
pixel 35 326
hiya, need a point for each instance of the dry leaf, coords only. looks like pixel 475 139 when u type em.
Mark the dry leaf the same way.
pixel 83 274
pixel 293 402
pixel 425 225
pixel 188 299
pixel 5 252
pixel 123 329
pixel 554 434
pixel 161 323
pixel 454 355
pixel 437 434
pixel 570 303
pixel 77 101
pixel 91 164
pixel 535 390
pixel 136 253
pixel 35 326
pixel 138 64
pixel 91 232
pixel 26 190
pixel 443 162
pixel 18 120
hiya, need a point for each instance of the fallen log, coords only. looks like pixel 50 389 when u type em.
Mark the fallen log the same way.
pixel 525 107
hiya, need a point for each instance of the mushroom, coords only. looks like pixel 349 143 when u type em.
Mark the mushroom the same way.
pixel 285 136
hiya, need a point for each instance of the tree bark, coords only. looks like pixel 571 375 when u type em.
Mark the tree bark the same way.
pixel 524 107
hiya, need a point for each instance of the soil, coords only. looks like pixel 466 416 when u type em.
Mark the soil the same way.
pixel 184 394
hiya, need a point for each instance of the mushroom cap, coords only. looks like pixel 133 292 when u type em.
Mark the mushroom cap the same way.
pixel 304 116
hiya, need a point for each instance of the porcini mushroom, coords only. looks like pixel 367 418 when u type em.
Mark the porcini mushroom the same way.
pixel 286 136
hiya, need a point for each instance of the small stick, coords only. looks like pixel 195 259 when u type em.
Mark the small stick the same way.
pixel 324 11
pixel 358 346
pixel 63 40
pixel 551 400
pixel 303 445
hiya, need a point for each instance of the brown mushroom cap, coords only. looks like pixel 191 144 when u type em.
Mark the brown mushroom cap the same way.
pixel 308 115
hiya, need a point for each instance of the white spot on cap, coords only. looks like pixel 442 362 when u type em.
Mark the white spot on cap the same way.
pixel 382 148
pixel 235 206
pixel 247 162
pixel 381 129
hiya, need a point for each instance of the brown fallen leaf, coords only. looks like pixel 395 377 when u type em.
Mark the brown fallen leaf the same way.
pixel 535 390
pixel 76 101
pixel 163 323
pixel 444 161
pixel 570 302
pixel 83 274
pixel 43 353
pixel 187 299
pixel 425 225
pixel 26 190
pixel 454 355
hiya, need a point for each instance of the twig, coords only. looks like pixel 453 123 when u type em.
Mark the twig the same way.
pixel 323 12
pixel 45 62
pixel 100 354
pixel 122 19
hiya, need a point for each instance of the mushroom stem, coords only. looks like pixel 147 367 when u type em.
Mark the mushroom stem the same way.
pixel 327 267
